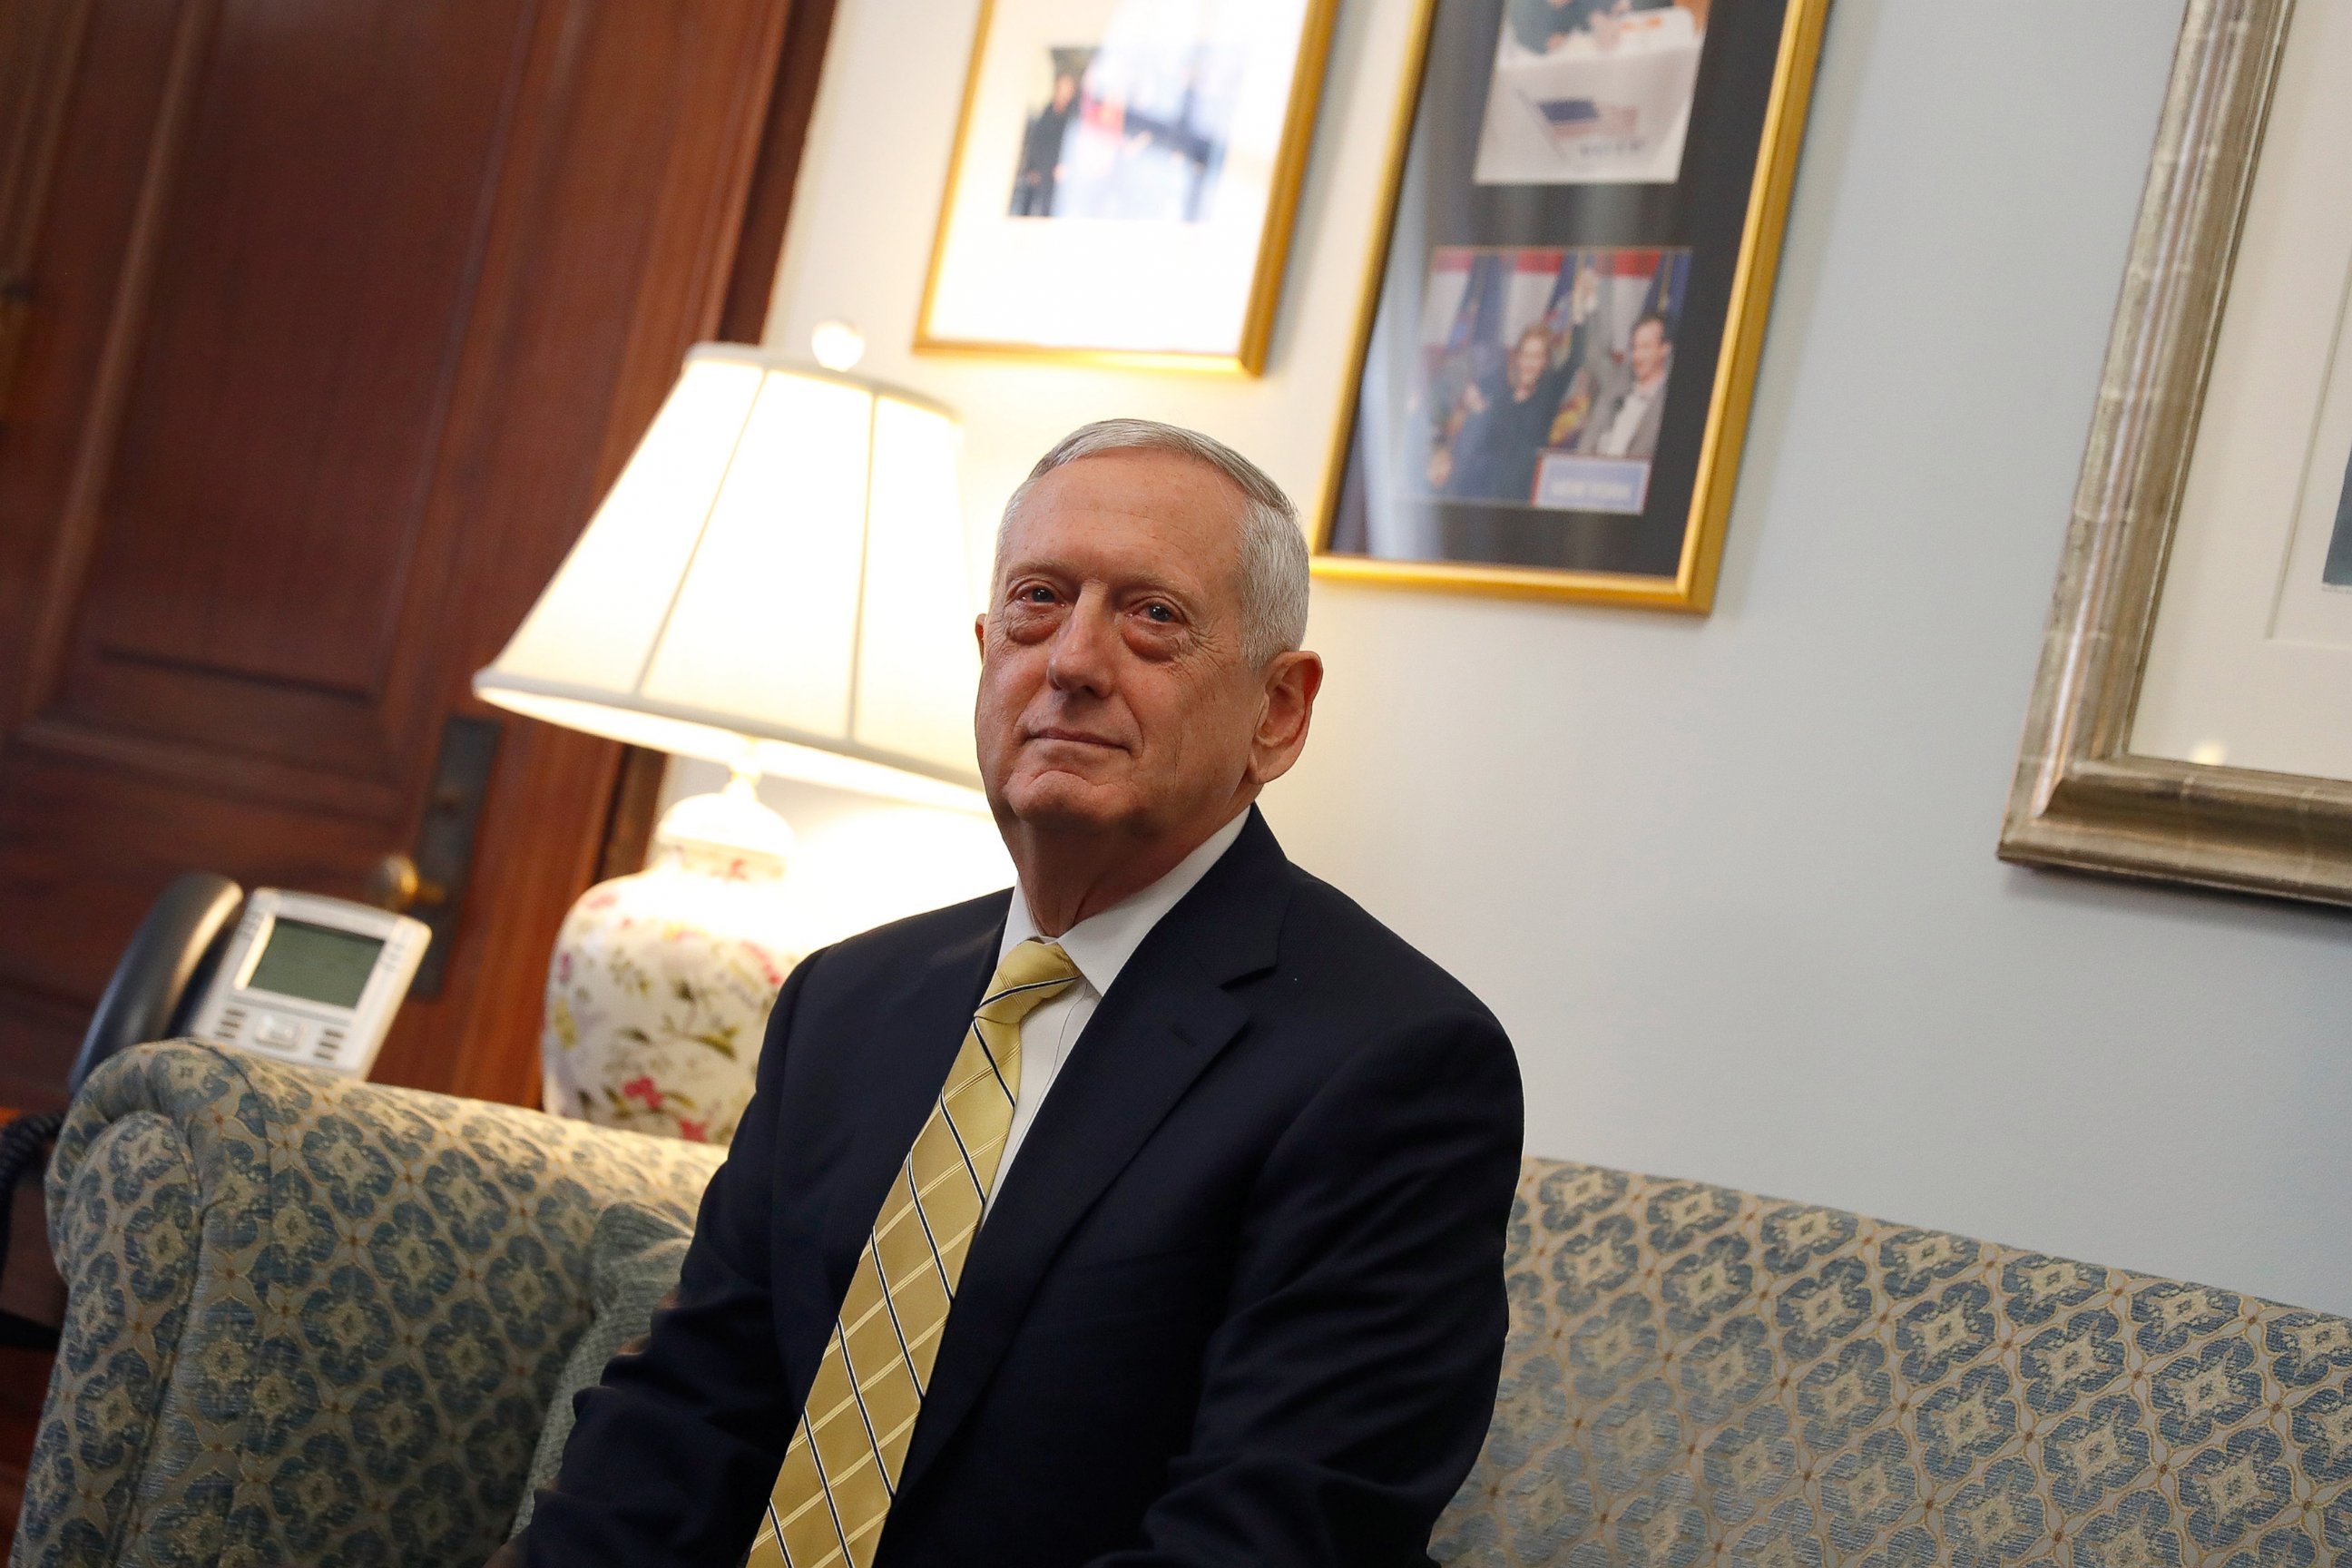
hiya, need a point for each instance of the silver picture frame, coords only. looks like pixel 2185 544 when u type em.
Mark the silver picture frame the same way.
pixel 2081 796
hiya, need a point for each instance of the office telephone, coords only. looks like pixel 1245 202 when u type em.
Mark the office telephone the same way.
pixel 291 975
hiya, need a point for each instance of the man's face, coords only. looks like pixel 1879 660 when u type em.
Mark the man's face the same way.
pixel 1528 366
pixel 1065 88
pixel 1113 690
pixel 1649 352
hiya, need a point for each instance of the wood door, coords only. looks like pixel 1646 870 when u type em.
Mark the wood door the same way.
pixel 337 316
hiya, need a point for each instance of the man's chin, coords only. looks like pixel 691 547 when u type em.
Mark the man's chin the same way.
pixel 1064 802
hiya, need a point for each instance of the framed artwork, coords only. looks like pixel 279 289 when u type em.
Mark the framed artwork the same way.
pixel 2192 719
pixel 1562 325
pixel 1124 178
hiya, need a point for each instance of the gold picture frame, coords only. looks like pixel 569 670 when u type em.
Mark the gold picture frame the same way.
pixel 1252 321
pixel 1688 585
pixel 2082 797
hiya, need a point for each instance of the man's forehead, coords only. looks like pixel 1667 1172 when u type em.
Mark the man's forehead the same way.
pixel 1123 556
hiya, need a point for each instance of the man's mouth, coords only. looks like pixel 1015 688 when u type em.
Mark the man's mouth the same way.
pixel 1073 737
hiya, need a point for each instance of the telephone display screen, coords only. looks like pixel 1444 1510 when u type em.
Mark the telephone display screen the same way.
pixel 318 964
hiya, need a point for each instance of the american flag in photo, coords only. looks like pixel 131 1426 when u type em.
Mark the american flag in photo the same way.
pixel 1573 119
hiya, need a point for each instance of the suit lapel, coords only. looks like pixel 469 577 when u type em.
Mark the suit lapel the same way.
pixel 1165 1019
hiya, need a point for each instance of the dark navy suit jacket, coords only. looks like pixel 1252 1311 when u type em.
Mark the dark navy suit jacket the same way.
pixel 1239 1301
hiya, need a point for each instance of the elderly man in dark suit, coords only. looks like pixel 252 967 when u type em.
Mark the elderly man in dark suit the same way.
pixel 1147 1215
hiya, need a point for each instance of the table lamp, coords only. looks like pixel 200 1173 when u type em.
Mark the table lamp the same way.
pixel 775 581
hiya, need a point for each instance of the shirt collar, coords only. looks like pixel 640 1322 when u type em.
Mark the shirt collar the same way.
pixel 1101 943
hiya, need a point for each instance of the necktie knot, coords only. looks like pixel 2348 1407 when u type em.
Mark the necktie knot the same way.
pixel 1031 975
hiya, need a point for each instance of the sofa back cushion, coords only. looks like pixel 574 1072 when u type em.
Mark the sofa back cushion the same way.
pixel 634 1260
pixel 1696 1375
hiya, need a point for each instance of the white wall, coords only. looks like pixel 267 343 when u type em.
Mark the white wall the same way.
pixel 1731 882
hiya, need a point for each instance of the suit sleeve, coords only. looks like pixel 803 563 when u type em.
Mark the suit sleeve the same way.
pixel 1349 1389
pixel 676 1447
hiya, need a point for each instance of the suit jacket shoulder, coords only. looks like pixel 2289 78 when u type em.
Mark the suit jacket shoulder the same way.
pixel 1365 963
pixel 1312 991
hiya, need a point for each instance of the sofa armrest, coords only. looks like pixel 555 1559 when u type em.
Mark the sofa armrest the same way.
pixel 310 1320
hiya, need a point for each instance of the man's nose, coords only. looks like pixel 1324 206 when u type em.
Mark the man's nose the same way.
pixel 1084 647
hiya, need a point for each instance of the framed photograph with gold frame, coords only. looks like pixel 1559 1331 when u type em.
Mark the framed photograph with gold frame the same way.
pixel 1561 329
pixel 1124 178
pixel 2193 718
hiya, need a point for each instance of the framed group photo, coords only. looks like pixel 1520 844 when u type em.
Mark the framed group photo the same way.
pixel 1562 326
pixel 1124 179
pixel 2193 718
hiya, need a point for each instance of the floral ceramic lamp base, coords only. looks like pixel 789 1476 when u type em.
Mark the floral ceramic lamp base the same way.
pixel 659 991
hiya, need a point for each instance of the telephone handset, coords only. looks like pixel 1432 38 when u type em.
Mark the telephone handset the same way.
pixel 291 975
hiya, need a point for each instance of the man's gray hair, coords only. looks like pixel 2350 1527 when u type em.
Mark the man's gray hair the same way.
pixel 1274 569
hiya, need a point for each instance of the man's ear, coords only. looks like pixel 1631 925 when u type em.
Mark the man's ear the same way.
pixel 1292 681
pixel 979 633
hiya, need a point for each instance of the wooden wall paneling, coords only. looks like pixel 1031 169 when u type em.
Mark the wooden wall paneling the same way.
pixel 186 530
pixel 39 42
pixel 303 435
pixel 84 288
pixel 67 260
pixel 287 378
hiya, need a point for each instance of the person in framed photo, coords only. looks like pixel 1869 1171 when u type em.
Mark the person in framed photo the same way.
pixel 1631 397
pixel 1505 421
pixel 1040 169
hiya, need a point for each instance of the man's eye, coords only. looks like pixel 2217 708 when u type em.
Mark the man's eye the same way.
pixel 1038 594
pixel 1160 613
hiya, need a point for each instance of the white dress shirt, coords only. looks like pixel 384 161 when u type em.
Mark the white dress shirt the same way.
pixel 1099 946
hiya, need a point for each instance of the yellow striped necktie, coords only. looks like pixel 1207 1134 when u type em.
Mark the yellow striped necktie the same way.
pixel 842 1465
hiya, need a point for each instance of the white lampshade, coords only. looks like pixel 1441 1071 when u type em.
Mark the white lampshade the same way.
pixel 776 582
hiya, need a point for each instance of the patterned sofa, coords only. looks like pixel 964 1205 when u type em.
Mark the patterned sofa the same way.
pixel 314 1322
